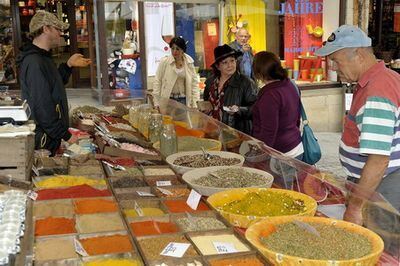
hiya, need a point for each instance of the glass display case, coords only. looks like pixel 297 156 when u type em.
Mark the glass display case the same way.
pixel 329 190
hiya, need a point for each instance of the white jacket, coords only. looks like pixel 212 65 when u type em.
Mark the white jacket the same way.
pixel 166 77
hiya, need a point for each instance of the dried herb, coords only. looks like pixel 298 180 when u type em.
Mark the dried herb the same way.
pixel 333 243
pixel 231 178
pixel 198 161
pixel 199 224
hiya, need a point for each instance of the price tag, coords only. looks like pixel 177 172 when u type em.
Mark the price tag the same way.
pixel 174 249
pixel 193 199
pixel 144 194
pixel 79 248
pixel 32 195
pixel 348 100
pixel 138 210
pixel 35 170
pixel 163 183
pixel 224 248
pixel 165 191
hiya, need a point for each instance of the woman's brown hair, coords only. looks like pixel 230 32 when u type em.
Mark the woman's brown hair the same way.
pixel 267 66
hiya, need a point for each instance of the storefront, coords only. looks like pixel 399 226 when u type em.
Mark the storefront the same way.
pixel 79 38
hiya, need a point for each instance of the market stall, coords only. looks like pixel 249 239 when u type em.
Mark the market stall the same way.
pixel 132 204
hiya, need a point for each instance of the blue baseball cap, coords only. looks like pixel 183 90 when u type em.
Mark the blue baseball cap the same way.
pixel 346 36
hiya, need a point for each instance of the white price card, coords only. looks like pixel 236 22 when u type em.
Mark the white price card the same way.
pixel 144 194
pixel 163 183
pixel 32 195
pixel 193 199
pixel 138 210
pixel 224 248
pixel 165 191
pixel 174 249
pixel 79 248
pixel 35 170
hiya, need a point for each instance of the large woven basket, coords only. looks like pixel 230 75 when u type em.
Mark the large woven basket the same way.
pixel 243 221
pixel 266 227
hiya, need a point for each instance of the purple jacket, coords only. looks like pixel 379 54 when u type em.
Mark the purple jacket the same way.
pixel 276 116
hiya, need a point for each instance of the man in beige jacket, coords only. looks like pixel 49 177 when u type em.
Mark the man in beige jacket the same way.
pixel 176 76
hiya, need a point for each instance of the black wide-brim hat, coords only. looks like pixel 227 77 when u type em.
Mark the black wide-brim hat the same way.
pixel 224 51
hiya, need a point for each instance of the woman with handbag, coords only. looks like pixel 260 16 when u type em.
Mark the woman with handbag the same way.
pixel 276 113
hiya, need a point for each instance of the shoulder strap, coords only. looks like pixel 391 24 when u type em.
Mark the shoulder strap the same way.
pixel 302 111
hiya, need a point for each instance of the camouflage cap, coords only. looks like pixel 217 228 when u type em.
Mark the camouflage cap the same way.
pixel 44 18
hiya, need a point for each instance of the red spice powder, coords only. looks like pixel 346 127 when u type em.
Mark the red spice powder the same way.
pixel 127 162
pixel 106 244
pixel 181 206
pixel 54 226
pixel 146 228
pixel 87 206
pixel 82 191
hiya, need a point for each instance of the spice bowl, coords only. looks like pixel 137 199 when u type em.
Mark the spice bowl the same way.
pixel 193 175
pixel 206 163
pixel 224 198
pixel 267 227
pixel 157 170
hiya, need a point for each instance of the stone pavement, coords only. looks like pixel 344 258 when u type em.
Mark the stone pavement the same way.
pixel 329 141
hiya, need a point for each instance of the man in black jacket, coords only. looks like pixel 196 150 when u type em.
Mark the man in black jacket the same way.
pixel 42 84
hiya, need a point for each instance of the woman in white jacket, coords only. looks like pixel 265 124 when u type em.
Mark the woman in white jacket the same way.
pixel 176 77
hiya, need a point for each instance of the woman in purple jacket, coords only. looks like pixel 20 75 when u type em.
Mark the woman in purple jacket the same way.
pixel 276 113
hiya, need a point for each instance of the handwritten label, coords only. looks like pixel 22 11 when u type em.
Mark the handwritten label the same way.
pixel 224 248
pixel 79 248
pixel 144 194
pixel 32 195
pixel 165 191
pixel 138 210
pixel 193 199
pixel 163 183
pixel 174 249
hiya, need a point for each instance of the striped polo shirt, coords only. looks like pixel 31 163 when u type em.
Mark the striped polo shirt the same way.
pixel 372 125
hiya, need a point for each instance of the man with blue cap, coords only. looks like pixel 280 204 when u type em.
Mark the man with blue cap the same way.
pixel 370 145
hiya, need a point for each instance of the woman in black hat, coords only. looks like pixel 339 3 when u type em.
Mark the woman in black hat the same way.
pixel 230 93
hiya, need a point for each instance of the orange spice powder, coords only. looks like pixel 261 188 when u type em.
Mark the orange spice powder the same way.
pixel 106 244
pixel 88 206
pixel 146 228
pixel 54 226
pixel 181 206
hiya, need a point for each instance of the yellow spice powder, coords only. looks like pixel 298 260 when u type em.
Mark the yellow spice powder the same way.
pixel 146 212
pixel 69 181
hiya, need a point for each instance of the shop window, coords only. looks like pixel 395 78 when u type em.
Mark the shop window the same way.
pixel 122 41
pixel 7 51
pixel 292 29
